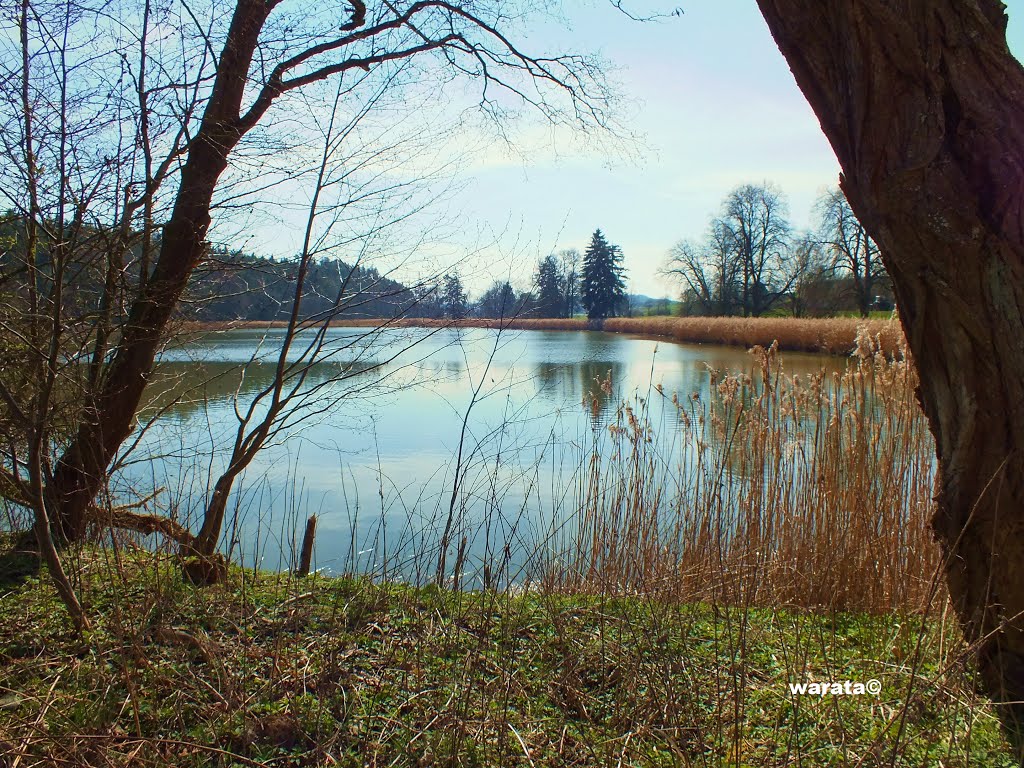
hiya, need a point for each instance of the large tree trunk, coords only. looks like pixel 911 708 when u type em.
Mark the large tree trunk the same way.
pixel 924 106
pixel 81 471
pixel 109 417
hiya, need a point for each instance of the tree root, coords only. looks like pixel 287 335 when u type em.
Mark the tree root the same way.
pixel 197 568
pixel 146 524
pixel 204 571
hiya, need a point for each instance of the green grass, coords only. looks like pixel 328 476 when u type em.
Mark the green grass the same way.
pixel 267 669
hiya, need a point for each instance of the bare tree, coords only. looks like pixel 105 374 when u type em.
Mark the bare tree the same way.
pixel 744 263
pixel 709 272
pixel 297 391
pixel 170 124
pixel 812 290
pixel 850 246
pixel 687 263
pixel 570 261
pixel 59 264
pixel 753 224
pixel 921 102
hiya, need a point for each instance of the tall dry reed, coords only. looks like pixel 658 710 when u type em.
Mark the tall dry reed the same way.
pixel 836 335
pixel 780 490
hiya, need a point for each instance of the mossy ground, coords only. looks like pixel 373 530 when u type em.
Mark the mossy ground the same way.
pixel 269 669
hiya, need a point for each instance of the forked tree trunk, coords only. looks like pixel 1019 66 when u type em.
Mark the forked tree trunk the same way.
pixel 108 419
pixel 924 106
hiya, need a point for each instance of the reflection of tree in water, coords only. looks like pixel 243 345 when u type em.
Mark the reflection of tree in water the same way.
pixel 599 381
pixel 558 381
pixel 550 376
pixel 592 383
pixel 182 389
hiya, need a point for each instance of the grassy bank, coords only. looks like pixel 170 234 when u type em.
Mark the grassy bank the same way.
pixel 271 670
pixel 836 336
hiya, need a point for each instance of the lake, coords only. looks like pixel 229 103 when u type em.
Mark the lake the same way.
pixel 406 432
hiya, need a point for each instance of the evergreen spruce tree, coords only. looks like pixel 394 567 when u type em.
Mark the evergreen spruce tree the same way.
pixel 549 284
pixel 601 284
pixel 498 301
pixel 453 297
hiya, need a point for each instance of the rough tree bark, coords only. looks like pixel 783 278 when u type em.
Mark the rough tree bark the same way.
pixel 922 103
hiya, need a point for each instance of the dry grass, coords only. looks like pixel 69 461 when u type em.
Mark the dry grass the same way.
pixel 812 492
pixel 772 489
pixel 836 335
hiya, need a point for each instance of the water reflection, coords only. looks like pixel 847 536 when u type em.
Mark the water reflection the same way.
pixel 380 463
pixel 183 389
pixel 600 381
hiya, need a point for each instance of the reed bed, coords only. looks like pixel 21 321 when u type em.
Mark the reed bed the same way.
pixel 837 335
pixel 811 492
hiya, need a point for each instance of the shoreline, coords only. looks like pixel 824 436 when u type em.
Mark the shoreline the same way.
pixel 832 336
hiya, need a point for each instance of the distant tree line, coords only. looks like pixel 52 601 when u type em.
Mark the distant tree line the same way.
pixel 234 285
pixel 240 286
pixel 228 285
pixel 751 260
pixel 565 284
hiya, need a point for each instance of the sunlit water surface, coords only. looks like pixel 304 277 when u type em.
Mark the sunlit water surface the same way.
pixel 374 448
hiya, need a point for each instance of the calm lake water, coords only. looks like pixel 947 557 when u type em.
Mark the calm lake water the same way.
pixel 374 448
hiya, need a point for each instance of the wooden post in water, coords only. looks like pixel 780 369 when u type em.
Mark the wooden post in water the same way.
pixel 307 547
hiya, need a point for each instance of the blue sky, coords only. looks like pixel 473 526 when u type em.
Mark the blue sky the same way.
pixel 708 95
pixel 716 106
